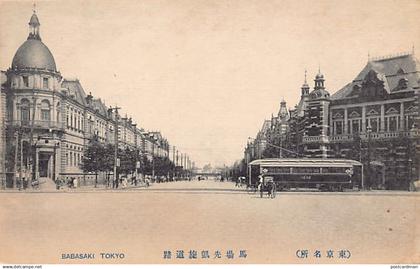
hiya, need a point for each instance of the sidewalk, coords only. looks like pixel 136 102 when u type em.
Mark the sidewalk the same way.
pixel 65 189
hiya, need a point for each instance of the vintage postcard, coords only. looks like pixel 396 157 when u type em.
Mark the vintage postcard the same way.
pixel 210 132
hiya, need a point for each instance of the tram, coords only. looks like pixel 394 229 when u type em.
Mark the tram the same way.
pixel 322 174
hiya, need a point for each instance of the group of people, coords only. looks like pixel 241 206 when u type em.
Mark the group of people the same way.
pixel 240 181
pixel 264 185
pixel 268 185
pixel 134 181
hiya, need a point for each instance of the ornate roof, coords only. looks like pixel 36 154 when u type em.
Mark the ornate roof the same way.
pixel 397 73
pixel 75 89
pixel 318 94
pixel 34 54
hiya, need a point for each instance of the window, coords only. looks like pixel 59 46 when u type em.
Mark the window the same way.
pixel 71 117
pixel 374 124
pixel 306 170
pixel 392 124
pixel 278 170
pixel 24 110
pixel 409 122
pixel 71 158
pixel 334 170
pixel 25 81
pixel 58 112
pixel 339 127
pixel 355 126
pixel 45 110
pixel 45 83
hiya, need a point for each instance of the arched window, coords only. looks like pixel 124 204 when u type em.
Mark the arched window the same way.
pixel 71 117
pixel 403 84
pixel 67 117
pixel 58 112
pixel 45 83
pixel 45 110
pixel 24 110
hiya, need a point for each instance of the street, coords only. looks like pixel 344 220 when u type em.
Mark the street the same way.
pixel 208 215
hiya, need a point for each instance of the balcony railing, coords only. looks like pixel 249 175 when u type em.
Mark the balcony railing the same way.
pixel 38 124
pixel 373 136
pixel 363 136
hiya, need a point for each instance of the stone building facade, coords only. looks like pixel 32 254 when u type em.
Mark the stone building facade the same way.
pixel 53 119
pixel 373 119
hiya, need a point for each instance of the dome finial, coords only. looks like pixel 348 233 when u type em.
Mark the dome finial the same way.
pixel 34 26
pixel 305 76
pixel 34 7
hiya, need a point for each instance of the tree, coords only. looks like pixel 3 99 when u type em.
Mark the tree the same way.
pixel 128 158
pixel 163 166
pixel 93 158
pixel 145 165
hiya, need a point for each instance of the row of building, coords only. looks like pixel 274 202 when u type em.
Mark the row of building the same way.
pixel 373 119
pixel 53 119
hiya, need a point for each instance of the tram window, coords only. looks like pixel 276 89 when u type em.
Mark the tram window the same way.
pixel 278 170
pixel 334 170
pixel 306 170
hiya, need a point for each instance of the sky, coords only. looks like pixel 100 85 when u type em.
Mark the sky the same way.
pixel 207 73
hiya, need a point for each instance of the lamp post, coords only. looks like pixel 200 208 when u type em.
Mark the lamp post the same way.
pixel 369 131
pixel 410 167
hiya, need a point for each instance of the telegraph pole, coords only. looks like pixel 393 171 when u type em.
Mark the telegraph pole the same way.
pixel 16 158
pixel 173 161
pixel 115 184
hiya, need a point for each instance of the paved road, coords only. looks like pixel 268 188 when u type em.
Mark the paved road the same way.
pixel 143 223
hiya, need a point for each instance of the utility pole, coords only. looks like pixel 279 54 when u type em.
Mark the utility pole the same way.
pixel 153 157
pixel 173 161
pixel 173 154
pixel 16 158
pixel 21 161
pixel 116 146
pixel 31 139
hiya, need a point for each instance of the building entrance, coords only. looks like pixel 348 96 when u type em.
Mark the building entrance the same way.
pixel 45 165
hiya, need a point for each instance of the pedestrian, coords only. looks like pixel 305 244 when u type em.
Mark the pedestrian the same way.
pixel 260 181
pixel 124 182
pixel 261 185
pixel 24 179
pixel 237 182
pixel 57 183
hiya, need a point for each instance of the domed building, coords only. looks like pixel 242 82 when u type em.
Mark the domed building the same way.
pixel 50 120
pixel 47 122
pixel 316 124
pixel 34 106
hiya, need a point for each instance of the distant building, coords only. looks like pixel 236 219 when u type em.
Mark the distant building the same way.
pixel 52 118
pixel 374 119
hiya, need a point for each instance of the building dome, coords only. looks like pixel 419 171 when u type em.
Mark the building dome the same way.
pixel 319 76
pixel 319 94
pixel 34 54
